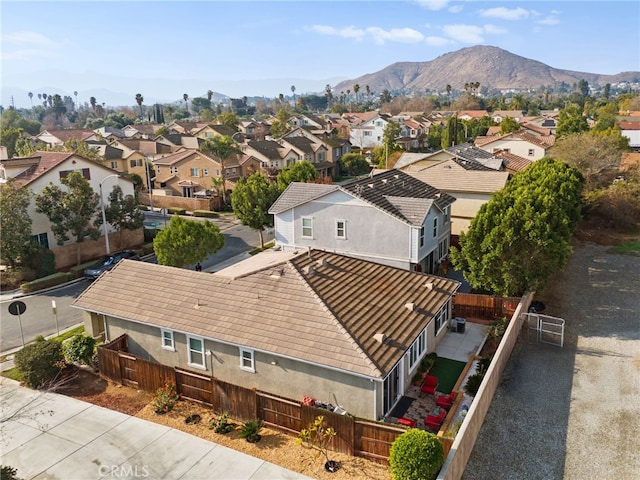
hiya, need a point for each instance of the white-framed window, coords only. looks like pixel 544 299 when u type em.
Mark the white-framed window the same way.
pixel 531 152
pixel 341 229
pixel 173 169
pixel 443 248
pixel 307 227
pixel 435 227
pixel 217 172
pixel 114 164
pixel 167 340
pixel 195 347
pixel 157 168
pixel 417 349
pixel 368 133
pixel 193 172
pixel 422 236
pixel 205 171
pixel 441 317
pixel 246 360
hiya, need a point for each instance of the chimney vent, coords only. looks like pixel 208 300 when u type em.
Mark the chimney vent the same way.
pixel 380 338
pixel 309 270
pixel 410 306
pixel 322 263
pixel 429 285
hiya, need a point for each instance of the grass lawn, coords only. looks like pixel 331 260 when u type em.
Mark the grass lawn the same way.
pixel 631 247
pixel 448 371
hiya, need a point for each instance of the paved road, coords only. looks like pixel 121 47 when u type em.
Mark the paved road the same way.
pixel 39 319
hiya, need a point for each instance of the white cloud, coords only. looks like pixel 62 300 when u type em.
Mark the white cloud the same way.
pixel 28 45
pixel 33 39
pixel 376 34
pixel 455 8
pixel 505 13
pixel 494 29
pixel 550 20
pixel 437 41
pixel 464 33
pixel 433 4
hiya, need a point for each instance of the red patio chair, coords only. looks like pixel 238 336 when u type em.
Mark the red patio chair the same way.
pixel 445 401
pixel 433 422
pixel 429 385
pixel 407 421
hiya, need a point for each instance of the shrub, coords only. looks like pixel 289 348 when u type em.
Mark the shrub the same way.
pixel 40 363
pixel 40 259
pixel 8 473
pixel 251 430
pixel 416 455
pixel 473 384
pixel 165 398
pixel 150 234
pixel 176 211
pixel 45 282
pixel 80 349
pixel 221 424
pixel 317 436
pixel 205 213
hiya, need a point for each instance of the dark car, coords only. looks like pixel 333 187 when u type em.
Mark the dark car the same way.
pixel 108 262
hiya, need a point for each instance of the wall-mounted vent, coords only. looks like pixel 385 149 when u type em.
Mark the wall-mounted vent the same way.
pixel 380 338
pixel 410 306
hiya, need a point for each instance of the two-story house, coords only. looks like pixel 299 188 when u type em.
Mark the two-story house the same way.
pixel 184 173
pixel 521 143
pixel 369 134
pixel 390 218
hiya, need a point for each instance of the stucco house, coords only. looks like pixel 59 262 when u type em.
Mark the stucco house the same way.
pixel 521 143
pixel 369 134
pixel 315 323
pixel 390 218
pixel 186 172
pixel 42 168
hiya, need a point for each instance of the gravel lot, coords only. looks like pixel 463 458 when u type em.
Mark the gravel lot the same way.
pixel 573 412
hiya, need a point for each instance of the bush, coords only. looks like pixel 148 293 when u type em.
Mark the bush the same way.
pixel 40 363
pixel 251 430
pixel 221 424
pixel 45 282
pixel 150 234
pixel 473 384
pixel 176 211
pixel 165 398
pixel 40 259
pixel 80 349
pixel 205 213
pixel 8 473
pixel 416 455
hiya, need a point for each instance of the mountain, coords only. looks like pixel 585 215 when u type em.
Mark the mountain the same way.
pixel 493 67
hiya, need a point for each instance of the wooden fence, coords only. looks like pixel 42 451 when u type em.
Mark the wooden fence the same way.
pixel 483 307
pixel 355 436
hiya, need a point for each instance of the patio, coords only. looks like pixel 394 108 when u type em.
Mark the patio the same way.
pixel 456 346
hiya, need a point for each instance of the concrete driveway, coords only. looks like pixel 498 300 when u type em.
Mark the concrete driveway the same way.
pixel 47 436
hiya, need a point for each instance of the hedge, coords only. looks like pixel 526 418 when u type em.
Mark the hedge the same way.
pixel 176 210
pixel 78 270
pixel 205 213
pixel 46 282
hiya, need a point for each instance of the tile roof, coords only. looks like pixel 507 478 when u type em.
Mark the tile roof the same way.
pixel 451 176
pixel 69 134
pixel 514 163
pixel 176 157
pixel 471 154
pixel 268 148
pixel 318 307
pixel 303 144
pixel 41 163
pixel 298 193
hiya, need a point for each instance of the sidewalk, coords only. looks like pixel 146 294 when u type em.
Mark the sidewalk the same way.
pixel 46 435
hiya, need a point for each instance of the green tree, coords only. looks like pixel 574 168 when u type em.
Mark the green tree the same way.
pixel 298 172
pixel 571 120
pixel 251 200
pixel 9 137
pixel 229 119
pixel 508 125
pixel 416 455
pixel 522 235
pixel 15 222
pixel 72 211
pixel 122 212
pixel 185 242
pixel 280 125
pixel 223 148
pixel 354 164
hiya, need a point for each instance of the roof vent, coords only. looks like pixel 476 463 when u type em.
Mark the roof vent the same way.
pixel 384 180
pixel 410 306
pixel 429 285
pixel 277 273
pixel 322 263
pixel 370 185
pixel 309 270
pixel 380 338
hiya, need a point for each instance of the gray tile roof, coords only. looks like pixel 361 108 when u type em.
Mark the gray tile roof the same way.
pixel 318 307
pixel 298 193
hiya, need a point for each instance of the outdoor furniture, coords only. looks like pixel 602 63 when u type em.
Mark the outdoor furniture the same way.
pixel 445 401
pixel 434 420
pixel 429 385
pixel 407 421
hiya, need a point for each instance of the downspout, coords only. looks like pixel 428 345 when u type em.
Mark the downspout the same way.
pixel 106 331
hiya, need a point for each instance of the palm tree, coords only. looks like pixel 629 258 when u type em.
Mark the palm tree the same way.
pixel 31 98
pixel 75 94
pixel 448 88
pixel 293 90
pixel 169 109
pixel 93 102
pixel 222 147
pixel 209 95
pixel 186 101
pixel 44 100
pixel 368 90
pixel 281 98
pixel 139 100
pixel 356 89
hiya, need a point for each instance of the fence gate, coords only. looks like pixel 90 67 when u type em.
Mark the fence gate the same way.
pixel 544 329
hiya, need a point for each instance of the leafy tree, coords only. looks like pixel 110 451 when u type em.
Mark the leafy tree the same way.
pixel 81 148
pixel 317 436
pixel 508 125
pixel 122 212
pixel 185 242
pixel 571 120
pixel 354 164
pixel 40 363
pixel 416 455
pixel 597 157
pixel 11 118
pixel 522 235
pixel 229 119
pixel 15 222
pixel 251 200
pixel 223 148
pixel 198 104
pixel 453 133
pixel 298 172
pixel 280 125
pixel 72 211
pixel 9 137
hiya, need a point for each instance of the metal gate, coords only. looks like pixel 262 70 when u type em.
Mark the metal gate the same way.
pixel 544 329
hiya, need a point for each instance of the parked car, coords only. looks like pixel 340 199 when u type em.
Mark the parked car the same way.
pixel 108 262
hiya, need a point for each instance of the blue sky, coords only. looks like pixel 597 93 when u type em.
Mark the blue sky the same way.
pixel 163 49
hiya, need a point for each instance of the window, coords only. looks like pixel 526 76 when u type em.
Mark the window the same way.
pixel 173 169
pixel 378 123
pixel 135 163
pixel 205 172
pixel 422 236
pixel 207 134
pixel 307 227
pixel 246 360
pixel 84 171
pixel 443 248
pixel 233 171
pixel 341 229
pixel 531 152
pixel 167 340
pixel 41 239
pixel 417 349
pixel 368 133
pixel 114 164
pixel 194 172
pixel 195 346
pixel 435 227
pixel 441 317
pixel 158 168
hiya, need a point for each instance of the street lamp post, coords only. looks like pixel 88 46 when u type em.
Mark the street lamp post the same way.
pixel 104 214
